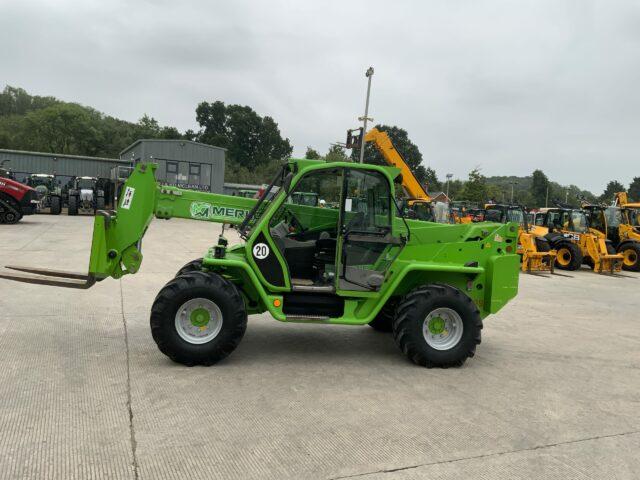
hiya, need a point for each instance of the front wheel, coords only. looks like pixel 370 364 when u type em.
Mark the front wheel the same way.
pixel 192 266
pixel 437 326
pixel 56 205
pixel 631 254
pixel 73 205
pixel 569 256
pixel 198 319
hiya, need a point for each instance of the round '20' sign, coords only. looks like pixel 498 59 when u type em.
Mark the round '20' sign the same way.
pixel 261 251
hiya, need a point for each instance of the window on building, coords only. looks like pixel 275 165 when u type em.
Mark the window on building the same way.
pixel 194 173
pixel 172 172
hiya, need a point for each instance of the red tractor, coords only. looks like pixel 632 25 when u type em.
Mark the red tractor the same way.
pixel 16 199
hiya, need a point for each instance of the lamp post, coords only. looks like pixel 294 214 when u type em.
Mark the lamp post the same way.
pixel 368 74
pixel 449 177
pixel 512 185
pixel 546 198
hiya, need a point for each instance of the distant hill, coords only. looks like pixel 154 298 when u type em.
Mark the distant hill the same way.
pixel 522 191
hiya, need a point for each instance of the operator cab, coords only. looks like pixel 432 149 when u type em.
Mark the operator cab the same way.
pixel 331 230
pixel 563 219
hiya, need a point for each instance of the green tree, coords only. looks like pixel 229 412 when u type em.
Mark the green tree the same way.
pixel 431 180
pixel 62 128
pixel 612 187
pixel 336 154
pixel 148 127
pixel 455 189
pixel 31 122
pixel 475 190
pixel 261 174
pixel 634 189
pixel 250 139
pixel 539 188
pixel 312 154
pixel 16 101
pixel 405 147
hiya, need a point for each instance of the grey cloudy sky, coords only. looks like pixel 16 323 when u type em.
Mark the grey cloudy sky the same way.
pixel 507 85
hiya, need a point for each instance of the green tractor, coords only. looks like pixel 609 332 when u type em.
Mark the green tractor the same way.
pixel 430 284
pixel 49 192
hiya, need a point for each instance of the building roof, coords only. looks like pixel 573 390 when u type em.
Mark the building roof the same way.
pixel 61 155
pixel 183 142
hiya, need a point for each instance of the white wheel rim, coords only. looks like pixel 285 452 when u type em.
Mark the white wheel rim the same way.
pixel 442 329
pixel 198 321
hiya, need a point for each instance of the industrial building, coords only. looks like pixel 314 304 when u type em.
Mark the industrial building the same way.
pixel 23 163
pixel 181 163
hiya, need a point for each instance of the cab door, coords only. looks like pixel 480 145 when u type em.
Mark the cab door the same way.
pixel 366 244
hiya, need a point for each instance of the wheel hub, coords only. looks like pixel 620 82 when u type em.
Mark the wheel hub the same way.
pixel 198 321
pixel 436 326
pixel 442 328
pixel 200 317
pixel 630 257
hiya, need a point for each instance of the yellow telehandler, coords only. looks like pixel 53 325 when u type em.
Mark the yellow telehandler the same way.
pixel 567 231
pixel 620 225
pixel 535 252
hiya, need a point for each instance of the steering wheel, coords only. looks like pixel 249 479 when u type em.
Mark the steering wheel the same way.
pixel 294 223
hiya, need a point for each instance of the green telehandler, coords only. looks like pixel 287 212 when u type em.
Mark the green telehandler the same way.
pixel 350 259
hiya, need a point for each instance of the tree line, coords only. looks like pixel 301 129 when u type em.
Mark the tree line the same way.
pixel 255 147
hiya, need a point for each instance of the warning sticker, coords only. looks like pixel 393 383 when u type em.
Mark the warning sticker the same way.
pixel 127 198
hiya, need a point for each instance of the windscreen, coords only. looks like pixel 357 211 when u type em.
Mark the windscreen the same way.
pixel 515 215
pixel 85 183
pixel 613 216
pixel 579 221
pixel 263 202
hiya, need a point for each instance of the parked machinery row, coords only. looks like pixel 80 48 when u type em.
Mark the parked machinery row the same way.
pixel 606 238
pixel 43 193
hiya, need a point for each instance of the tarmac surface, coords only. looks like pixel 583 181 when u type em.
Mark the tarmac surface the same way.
pixel 553 391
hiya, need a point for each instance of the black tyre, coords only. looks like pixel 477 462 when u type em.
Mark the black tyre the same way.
pixel 192 266
pixel 631 254
pixel 384 320
pixel 198 319
pixel 437 326
pixel 56 205
pixel 10 212
pixel 569 256
pixel 73 206
pixel 542 245
pixel 100 203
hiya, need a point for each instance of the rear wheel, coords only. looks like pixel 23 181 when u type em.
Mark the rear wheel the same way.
pixel 437 326
pixel 56 205
pixel 631 254
pixel 198 319
pixel 569 256
pixel 73 206
pixel 384 320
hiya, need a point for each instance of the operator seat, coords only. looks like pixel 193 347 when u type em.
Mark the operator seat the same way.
pixel 298 254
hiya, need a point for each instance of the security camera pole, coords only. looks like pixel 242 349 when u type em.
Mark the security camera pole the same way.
pixel 364 119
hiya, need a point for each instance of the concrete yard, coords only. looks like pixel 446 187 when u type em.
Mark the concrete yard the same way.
pixel 553 391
